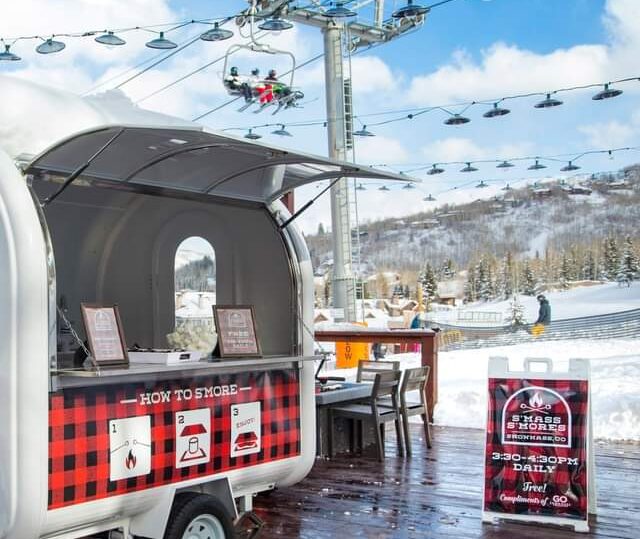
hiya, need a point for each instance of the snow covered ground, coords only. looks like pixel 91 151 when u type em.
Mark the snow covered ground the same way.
pixel 615 387
pixel 580 301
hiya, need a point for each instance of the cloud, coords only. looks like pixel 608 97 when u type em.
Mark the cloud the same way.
pixel 609 134
pixel 508 69
pixel 464 149
pixel 380 149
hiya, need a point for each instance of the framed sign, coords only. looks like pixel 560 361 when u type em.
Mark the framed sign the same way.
pixel 236 329
pixel 104 334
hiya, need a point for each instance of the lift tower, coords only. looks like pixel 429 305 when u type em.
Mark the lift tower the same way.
pixel 338 33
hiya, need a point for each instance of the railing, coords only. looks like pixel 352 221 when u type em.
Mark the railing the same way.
pixel 607 326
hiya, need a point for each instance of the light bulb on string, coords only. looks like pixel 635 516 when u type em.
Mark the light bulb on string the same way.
pixel 50 46
pixel 110 39
pixel 161 42
pixel 435 170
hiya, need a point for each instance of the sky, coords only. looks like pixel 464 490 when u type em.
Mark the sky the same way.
pixel 467 50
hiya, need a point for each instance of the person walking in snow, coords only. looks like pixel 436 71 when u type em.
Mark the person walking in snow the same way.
pixel 544 312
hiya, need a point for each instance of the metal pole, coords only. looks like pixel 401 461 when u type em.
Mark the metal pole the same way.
pixel 379 13
pixel 343 282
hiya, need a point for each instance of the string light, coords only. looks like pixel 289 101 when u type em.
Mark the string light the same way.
pixel 458 118
pixel 110 38
pixel 569 159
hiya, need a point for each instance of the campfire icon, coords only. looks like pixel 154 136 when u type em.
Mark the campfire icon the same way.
pixel 130 461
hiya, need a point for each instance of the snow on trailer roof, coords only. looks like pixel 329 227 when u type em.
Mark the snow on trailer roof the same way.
pixel 193 160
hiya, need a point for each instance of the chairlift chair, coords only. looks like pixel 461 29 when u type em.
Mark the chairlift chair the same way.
pixel 259 90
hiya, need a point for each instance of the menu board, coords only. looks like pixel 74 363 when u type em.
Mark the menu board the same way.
pixel 104 334
pixel 236 329
pixel 536 463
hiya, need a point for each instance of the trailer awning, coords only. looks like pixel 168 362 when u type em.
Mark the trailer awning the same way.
pixel 195 161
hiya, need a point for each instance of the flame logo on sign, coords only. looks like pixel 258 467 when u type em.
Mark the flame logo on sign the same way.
pixel 536 404
pixel 130 461
pixel 536 401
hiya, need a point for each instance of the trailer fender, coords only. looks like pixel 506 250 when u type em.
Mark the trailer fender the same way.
pixel 153 523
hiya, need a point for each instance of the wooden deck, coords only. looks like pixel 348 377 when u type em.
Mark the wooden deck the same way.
pixel 436 493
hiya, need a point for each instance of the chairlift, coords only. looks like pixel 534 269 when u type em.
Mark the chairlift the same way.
pixel 264 92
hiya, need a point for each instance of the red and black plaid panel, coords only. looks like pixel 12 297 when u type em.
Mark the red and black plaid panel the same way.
pixel 81 447
pixel 545 472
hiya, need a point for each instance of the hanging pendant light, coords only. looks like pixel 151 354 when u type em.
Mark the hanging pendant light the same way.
pixel 569 167
pixel 339 11
pixel 468 168
pixel 361 187
pixel 482 184
pixel 383 188
pixel 496 111
pixel 275 24
pixel 281 132
pixel 457 119
pixel 363 132
pixel 435 170
pixel 410 10
pixel 505 164
pixel 507 188
pixel 408 186
pixel 161 42
pixel 536 166
pixel 607 93
pixel 110 39
pixel 216 33
pixel 548 102
pixel 50 46
pixel 8 56
pixel 252 136
pixel 430 198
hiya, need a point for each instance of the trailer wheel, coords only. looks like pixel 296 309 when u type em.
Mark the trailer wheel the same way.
pixel 198 516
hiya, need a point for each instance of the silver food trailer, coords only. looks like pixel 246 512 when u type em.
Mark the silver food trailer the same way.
pixel 131 194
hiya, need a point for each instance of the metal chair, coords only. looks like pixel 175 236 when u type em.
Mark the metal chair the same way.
pixel 385 385
pixel 367 370
pixel 413 379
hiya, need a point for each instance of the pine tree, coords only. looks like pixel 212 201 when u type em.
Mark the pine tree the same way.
pixel 427 280
pixel 471 286
pixel 529 282
pixel 447 271
pixel 485 280
pixel 517 312
pixel 589 266
pixel 565 271
pixel 628 265
pixel 611 264
pixel 504 282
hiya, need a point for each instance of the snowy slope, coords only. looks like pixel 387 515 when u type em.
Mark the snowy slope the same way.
pixel 581 301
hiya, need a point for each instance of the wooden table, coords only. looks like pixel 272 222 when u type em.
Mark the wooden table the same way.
pixel 425 337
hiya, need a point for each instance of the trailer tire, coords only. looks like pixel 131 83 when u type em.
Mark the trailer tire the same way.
pixel 198 516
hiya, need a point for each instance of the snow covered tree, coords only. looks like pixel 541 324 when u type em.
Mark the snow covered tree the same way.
pixel 528 280
pixel 517 312
pixel 427 280
pixel 628 265
pixel 471 286
pixel 485 280
pixel 565 271
pixel 589 266
pixel 504 282
pixel 447 270
pixel 611 264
